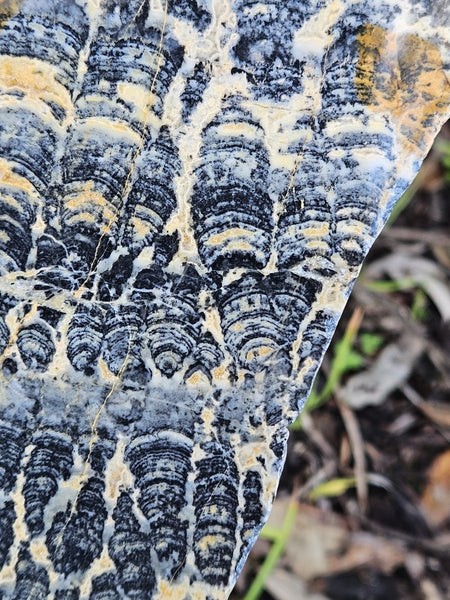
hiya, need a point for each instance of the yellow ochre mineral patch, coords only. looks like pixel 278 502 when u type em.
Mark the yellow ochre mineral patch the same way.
pixel 8 8
pixel 402 75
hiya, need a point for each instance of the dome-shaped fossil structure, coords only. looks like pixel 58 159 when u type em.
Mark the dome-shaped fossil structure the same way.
pixel 187 191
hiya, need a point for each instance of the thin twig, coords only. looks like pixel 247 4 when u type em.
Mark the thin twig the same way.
pixel 434 237
pixel 357 446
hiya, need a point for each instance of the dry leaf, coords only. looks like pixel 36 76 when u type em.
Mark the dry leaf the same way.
pixel 439 412
pixel 366 549
pixel 436 497
pixel 283 585
pixel 423 271
pixel 317 535
pixel 430 591
pixel 389 371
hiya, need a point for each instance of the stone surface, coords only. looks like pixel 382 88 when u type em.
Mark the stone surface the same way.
pixel 187 191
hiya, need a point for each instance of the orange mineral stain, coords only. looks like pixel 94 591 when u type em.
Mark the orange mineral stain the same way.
pixel 35 78
pixel 8 9
pixel 403 76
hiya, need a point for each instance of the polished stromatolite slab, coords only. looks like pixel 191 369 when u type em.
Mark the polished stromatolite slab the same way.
pixel 187 191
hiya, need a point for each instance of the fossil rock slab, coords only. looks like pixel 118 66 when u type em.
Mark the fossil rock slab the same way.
pixel 187 191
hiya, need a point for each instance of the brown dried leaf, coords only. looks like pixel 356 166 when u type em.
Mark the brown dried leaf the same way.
pixel 316 537
pixel 436 497
pixel 366 549
pixel 283 585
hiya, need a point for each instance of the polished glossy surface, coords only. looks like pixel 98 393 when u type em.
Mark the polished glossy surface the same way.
pixel 187 191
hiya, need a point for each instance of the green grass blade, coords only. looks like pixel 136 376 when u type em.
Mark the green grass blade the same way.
pixel 274 554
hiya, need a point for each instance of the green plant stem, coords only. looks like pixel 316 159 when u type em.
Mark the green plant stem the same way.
pixel 407 283
pixel 275 552
pixel 343 361
pixel 340 362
